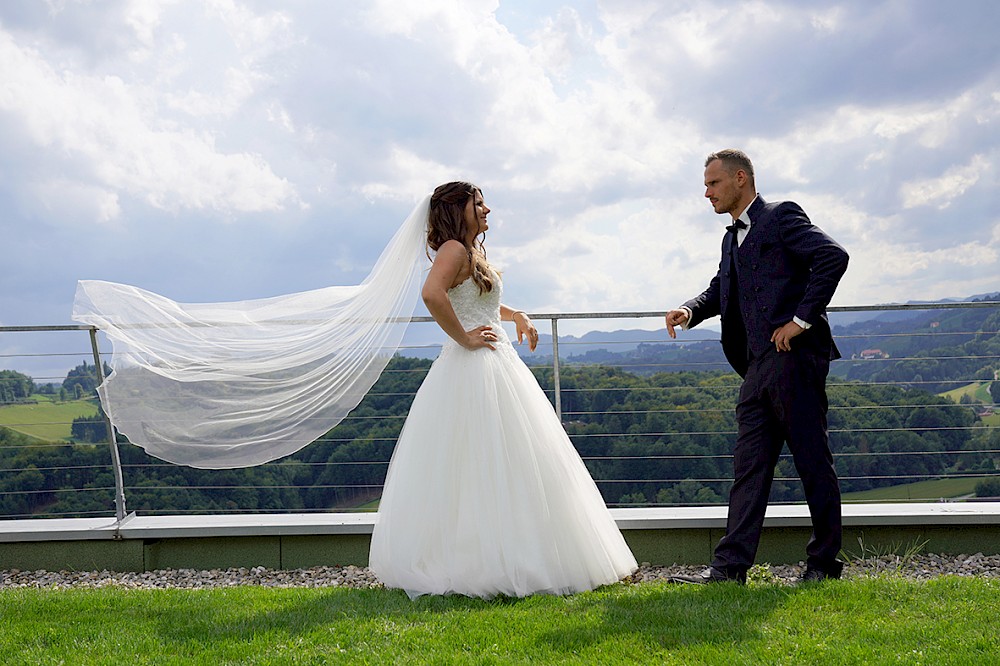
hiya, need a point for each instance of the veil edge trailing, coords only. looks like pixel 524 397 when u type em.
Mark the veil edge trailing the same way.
pixel 238 384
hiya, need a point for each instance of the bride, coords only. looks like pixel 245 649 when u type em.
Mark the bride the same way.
pixel 485 494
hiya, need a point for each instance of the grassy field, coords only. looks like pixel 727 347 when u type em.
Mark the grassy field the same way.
pixel 886 620
pixel 46 420
pixel 921 490
pixel 977 391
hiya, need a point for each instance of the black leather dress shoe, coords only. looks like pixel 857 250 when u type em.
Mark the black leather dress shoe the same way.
pixel 817 575
pixel 712 575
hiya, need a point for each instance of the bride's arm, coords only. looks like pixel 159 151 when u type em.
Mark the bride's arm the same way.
pixel 448 262
pixel 522 323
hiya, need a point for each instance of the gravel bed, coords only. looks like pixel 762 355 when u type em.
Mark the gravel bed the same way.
pixel 916 567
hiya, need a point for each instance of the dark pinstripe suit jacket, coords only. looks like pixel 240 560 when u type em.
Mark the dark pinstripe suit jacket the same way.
pixel 786 267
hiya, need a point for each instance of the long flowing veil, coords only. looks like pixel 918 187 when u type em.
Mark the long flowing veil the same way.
pixel 222 385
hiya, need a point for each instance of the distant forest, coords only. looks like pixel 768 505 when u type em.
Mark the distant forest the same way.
pixel 653 425
pixel 932 349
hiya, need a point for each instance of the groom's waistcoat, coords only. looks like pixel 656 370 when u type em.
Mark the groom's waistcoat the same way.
pixel 786 267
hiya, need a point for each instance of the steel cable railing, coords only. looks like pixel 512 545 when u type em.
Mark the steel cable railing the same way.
pixel 337 472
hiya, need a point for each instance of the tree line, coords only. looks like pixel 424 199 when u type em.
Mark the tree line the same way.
pixel 658 439
pixel 655 425
pixel 80 382
pixel 936 350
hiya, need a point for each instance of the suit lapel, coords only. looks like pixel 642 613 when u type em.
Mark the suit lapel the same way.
pixel 756 214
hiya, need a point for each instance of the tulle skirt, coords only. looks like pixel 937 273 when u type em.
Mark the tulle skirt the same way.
pixel 485 494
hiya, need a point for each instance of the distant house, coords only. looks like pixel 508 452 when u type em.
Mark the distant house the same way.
pixel 869 354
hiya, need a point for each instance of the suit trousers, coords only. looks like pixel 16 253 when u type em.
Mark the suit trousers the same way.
pixel 782 399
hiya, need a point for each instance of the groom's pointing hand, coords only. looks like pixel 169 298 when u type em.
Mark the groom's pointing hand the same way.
pixel 675 318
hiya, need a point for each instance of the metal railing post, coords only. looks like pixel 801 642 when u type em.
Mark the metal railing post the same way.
pixel 555 367
pixel 116 461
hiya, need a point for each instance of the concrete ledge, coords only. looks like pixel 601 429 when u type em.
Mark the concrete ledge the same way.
pixel 164 527
pixel 797 515
pixel 684 535
pixel 57 529
pixel 307 524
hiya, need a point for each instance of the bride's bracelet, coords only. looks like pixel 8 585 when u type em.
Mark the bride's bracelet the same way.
pixel 519 312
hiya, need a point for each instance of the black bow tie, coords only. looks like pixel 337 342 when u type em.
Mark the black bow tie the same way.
pixel 736 226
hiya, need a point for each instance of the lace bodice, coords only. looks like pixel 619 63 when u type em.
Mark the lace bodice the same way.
pixel 475 309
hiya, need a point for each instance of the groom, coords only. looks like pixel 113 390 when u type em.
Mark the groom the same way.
pixel 777 275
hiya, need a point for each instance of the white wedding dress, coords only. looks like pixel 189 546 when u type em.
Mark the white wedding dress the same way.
pixel 485 494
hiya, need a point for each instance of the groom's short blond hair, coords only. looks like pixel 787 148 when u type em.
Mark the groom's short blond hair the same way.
pixel 732 159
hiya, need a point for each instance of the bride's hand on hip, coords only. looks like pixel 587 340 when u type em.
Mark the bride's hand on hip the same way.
pixel 479 337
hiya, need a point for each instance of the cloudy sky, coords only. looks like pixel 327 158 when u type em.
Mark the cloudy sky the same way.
pixel 228 149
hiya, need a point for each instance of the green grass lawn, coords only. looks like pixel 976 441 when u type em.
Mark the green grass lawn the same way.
pixel 886 620
pixel 46 419
pixel 921 490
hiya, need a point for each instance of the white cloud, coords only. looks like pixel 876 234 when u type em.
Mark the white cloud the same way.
pixel 109 128
pixel 586 124
pixel 561 42
pixel 605 128
pixel 256 35
pixel 467 30
pixel 643 254
pixel 70 202
pixel 407 177
pixel 143 17
pixel 828 20
pixel 942 191
pixel 569 136
pixel 238 86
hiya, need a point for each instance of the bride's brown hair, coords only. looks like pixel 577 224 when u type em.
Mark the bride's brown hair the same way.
pixel 447 222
